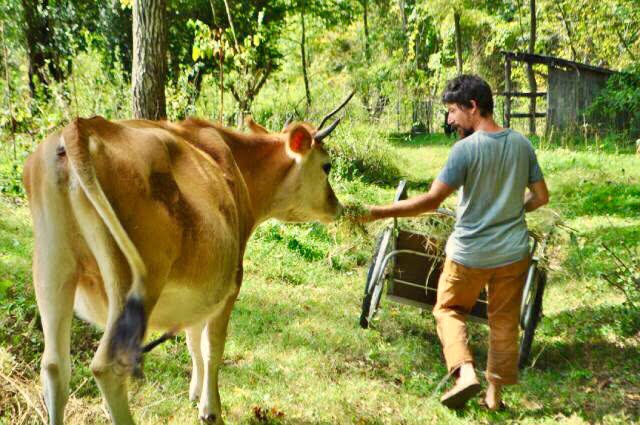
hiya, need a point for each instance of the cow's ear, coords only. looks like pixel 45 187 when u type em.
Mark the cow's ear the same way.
pixel 300 140
pixel 254 126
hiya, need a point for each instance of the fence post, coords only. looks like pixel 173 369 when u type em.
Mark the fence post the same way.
pixel 507 91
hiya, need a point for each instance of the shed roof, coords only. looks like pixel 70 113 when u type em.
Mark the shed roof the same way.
pixel 555 62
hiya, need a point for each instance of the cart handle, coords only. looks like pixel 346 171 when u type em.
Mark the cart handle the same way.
pixel 401 191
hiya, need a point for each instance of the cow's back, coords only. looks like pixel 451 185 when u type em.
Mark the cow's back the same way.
pixel 186 212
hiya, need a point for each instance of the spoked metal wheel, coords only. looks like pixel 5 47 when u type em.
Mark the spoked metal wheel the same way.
pixel 376 276
pixel 531 309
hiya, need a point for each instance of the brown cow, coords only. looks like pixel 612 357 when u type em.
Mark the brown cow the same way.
pixel 142 225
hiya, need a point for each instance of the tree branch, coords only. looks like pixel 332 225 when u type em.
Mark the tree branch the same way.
pixel 267 72
pixel 625 45
pixel 613 254
pixel 233 31
pixel 234 93
pixel 566 26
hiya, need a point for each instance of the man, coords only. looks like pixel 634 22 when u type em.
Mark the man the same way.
pixel 489 245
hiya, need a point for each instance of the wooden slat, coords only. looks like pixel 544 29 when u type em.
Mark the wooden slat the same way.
pixel 526 115
pixel 554 62
pixel 507 89
pixel 520 94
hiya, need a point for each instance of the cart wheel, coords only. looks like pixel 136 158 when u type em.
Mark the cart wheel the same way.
pixel 375 278
pixel 531 313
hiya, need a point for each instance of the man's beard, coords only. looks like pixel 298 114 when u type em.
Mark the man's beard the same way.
pixel 463 132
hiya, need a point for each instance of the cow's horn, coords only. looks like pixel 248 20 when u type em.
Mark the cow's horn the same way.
pixel 335 111
pixel 324 133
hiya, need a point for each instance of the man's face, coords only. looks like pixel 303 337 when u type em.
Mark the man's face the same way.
pixel 461 119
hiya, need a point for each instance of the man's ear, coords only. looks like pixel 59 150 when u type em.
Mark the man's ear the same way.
pixel 474 106
pixel 300 140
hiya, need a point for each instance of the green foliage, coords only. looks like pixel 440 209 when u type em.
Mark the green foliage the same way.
pixel 619 101
pixel 609 254
pixel 295 321
pixel 362 152
pixel 296 318
pixel 568 29
pixel 11 178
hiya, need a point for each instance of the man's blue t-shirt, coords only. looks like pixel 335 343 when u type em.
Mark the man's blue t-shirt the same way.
pixel 494 169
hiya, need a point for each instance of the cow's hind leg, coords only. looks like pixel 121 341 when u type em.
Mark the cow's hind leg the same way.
pixel 194 343
pixel 110 377
pixel 212 349
pixel 55 283
pixel 112 382
pixel 55 279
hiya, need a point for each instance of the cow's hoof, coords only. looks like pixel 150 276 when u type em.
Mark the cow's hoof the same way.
pixel 209 419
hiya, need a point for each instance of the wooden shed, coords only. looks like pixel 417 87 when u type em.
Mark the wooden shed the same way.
pixel 571 88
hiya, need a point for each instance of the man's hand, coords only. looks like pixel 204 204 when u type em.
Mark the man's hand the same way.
pixel 370 213
pixel 537 196
pixel 409 207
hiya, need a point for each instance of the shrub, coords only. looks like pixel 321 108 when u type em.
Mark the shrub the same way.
pixel 361 151
pixel 619 101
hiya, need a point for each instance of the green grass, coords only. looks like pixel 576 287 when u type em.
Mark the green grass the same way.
pixel 295 353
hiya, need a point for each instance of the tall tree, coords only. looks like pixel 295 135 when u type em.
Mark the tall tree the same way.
pixel 149 59
pixel 38 31
pixel 458 34
pixel 533 87
pixel 365 22
pixel 251 31
pixel 402 4
pixel 303 54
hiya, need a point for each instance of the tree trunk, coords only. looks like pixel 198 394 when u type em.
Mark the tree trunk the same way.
pixel 245 99
pixel 574 55
pixel 367 55
pixel 456 20
pixel 149 59
pixel 405 50
pixel 507 90
pixel 533 87
pixel 12 121
pixel 304 59
pixel 38 31
pixel 403 15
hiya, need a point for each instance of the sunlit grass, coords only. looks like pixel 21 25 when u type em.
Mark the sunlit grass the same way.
pixel 295 349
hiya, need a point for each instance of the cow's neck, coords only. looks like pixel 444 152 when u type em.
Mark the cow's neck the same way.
pixel 264 164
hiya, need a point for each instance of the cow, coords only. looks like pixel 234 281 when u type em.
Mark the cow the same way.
pixel 142 225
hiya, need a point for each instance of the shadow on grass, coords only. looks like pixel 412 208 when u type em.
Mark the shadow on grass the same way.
pixel 588 198
pixel 406 140
pixel 584 365
pixel 589 258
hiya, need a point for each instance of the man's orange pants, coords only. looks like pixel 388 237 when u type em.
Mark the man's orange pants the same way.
pixel 458 289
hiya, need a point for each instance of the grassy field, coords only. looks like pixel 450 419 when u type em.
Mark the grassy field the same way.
pixel 296 354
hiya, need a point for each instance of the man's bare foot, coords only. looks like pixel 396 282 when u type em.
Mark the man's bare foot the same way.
pixel 493 398
pixel 467 385
pixel 467 374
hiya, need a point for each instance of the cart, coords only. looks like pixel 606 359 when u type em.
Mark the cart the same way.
pixel 409 265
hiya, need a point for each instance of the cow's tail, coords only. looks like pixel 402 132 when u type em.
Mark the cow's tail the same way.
pixel 130 327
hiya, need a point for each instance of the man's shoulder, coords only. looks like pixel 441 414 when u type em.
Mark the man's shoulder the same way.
pixel 519 137
pixel 466 141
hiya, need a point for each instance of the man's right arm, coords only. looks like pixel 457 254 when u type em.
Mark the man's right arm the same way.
pixel 537 196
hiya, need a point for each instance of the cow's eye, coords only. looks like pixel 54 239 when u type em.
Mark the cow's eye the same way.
pixel 326 168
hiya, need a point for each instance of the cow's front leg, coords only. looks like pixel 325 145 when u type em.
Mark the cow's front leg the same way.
pixel 214 334
pixel 194 343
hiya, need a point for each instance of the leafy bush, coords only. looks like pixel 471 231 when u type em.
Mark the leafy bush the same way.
pixel 620 100
pixel 11 178
pixel 363 151
pixel 625 278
